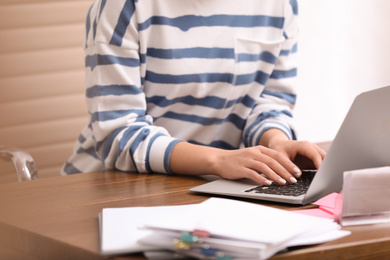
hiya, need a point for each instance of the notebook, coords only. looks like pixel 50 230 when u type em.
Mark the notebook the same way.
pixel 363 141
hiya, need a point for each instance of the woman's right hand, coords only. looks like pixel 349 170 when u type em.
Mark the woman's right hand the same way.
pixel 249 162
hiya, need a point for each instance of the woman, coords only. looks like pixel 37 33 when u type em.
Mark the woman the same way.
pixel 192 87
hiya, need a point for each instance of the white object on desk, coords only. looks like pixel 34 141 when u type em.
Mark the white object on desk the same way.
pixel 119 227
pixel 365 196
pixel 242 230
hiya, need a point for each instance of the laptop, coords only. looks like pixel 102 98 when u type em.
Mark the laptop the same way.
pixel 363 141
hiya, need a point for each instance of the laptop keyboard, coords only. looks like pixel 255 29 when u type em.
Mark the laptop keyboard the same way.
pixel 288 189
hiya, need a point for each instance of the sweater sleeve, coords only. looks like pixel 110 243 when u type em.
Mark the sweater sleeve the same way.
pixel 275 105
pixel 125 136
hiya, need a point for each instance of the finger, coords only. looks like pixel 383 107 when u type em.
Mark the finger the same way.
pixel 308 155
pixel 319 160
pixel 315 154
pixel 273 171
pixel 254 175
pixel 279 178
pixel 321 151
pixel 279 167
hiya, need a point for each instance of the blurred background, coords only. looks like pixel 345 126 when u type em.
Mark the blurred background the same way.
pixel 344 48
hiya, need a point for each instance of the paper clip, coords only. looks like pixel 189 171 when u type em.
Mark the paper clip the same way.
pixel 181 245
pixel 213 253
pixel 194 240
pixel 189 238
pixel 201 233
pixel 224 258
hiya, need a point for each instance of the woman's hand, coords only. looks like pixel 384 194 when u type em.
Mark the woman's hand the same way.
pixel 304 154
pixel 250 162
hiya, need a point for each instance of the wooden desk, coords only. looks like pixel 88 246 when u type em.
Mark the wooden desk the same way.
pixel 56 218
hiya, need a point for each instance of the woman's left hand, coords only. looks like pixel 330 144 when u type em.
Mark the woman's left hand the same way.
pixel 304 154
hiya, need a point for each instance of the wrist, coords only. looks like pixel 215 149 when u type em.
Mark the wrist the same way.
pixel 272 138
pixel 194 159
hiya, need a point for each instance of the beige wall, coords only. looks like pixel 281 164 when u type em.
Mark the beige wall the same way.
pixel 42 107
pixel 344 49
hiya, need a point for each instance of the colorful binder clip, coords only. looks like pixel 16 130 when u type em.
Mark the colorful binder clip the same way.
pixel 181 245
pixel 201 233
pixel 194 240
pixel 189 238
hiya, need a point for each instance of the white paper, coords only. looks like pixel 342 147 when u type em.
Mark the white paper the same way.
pixel 321 234
pixel 366 191
pixel 120 230
pixel 239 220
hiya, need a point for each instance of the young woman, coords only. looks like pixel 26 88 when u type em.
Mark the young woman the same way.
pixel 192 87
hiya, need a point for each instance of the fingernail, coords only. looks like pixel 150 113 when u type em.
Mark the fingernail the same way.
pixel 268 182
pixel 297 172
pixel 282 181
pixel 293 180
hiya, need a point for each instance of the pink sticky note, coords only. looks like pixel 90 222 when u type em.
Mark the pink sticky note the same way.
pixel 315 213
pixel 327 201
pixel 326 207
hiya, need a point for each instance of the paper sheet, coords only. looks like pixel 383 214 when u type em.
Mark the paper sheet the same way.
pixel 119 229
pixel 239 220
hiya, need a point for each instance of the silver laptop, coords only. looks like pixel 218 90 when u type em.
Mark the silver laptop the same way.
pixel 363 141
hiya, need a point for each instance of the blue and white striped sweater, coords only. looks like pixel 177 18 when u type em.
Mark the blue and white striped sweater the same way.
pixel 210 72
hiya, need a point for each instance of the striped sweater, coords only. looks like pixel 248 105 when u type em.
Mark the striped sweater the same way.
pixel 210 72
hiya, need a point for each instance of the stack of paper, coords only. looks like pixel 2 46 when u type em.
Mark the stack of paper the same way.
pixel 222 229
